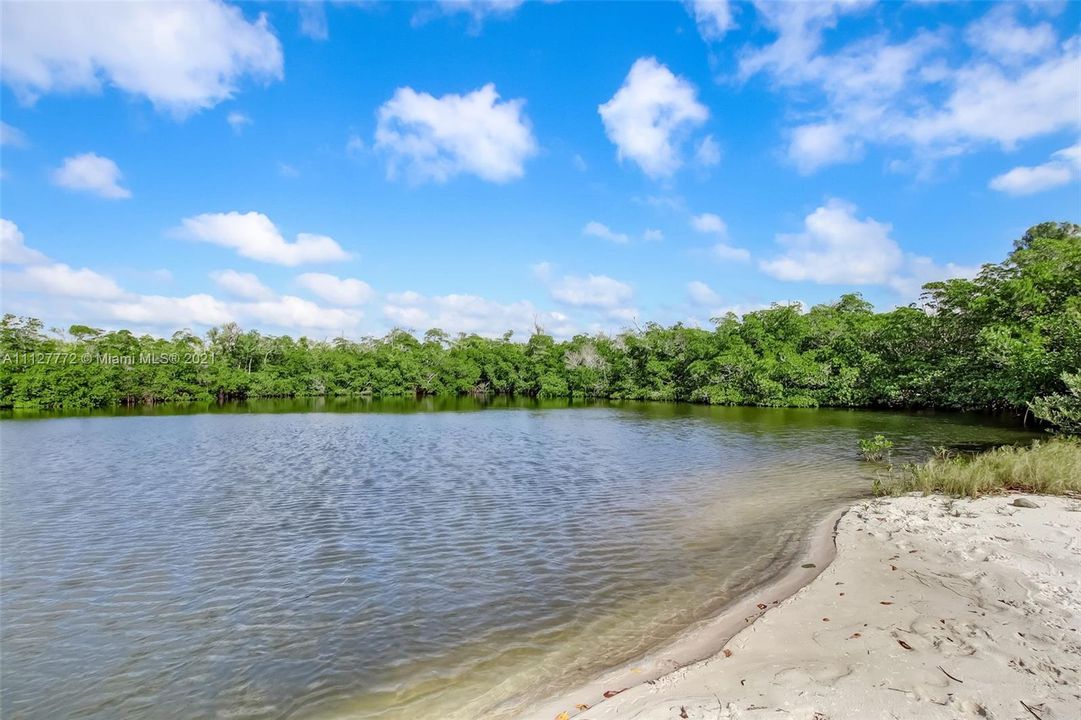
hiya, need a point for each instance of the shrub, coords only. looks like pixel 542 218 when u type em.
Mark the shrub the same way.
pixel 876 449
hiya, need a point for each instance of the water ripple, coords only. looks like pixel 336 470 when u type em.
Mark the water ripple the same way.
pixel 381 565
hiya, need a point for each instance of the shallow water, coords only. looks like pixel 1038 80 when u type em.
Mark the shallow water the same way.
pixel 394 559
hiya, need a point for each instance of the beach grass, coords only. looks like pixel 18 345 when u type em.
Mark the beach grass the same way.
pixel 1049 467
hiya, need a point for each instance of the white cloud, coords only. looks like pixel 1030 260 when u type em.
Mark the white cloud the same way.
pixel 837 247
pixel 724 251
pixel 182 56
pixel 1019 83
pixel 472 314
pixel 61 291
pixel 254 236
pixel 1063 167
pixel 603 232
pixel 702 294
pixel 168 312
pixel 711 224
pixel 918 270
pixel 293 312
pixel 335 290
pixel 625 314
pixel 13 249
pixel 477 10
pixel 238 120
pixel 818 144
pixel 12 136
pixel 999 35
pixel 708 152
pixel 996 105
pixel 650 115
pixel 598 291
pixel 313 20
pixel 91 173
pixel 652 235
pixel 286 170
pixel 60 279
pixel 714 18
pixel 241 285
pixel 431 138
pixel 579 163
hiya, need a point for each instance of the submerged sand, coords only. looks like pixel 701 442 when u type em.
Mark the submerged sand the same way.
pixel 932 608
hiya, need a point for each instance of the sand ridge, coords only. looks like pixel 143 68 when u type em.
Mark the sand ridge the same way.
pixel 933 608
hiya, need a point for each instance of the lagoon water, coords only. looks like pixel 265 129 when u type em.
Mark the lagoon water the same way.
pixel 395 559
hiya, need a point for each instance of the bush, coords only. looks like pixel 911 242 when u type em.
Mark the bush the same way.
pixel 1061 411
pixel 876 449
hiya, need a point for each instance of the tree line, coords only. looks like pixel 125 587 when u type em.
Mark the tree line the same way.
pixel 997 342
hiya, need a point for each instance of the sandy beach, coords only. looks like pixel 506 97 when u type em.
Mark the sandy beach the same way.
pixel 931 608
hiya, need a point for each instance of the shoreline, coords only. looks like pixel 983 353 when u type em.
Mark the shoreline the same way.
pixel 706 638
pixel 929 607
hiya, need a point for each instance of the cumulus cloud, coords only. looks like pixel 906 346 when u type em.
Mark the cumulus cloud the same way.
pixel 345 292
pixel 61 290
pixel 650 116
pixel 702 294
pixel 602 231
pixel 13 249
pixel 253 235
pixel 241 285
pixel 181 56
pixel 293 312
pixel 1019 82
pixel 472 314
pixel 91 173
pixel 430 138
pixel 819 144
pixel 713 17
pixel 652 235
pixel 711 224
pixel 837 247
pixel 596 291
pixel 167 312
pixel 1063 167
pixel 60 279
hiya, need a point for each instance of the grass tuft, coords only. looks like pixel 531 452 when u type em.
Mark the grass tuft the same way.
pixel 1051 467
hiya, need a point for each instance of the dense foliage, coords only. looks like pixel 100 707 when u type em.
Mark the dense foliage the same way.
pixel 996 342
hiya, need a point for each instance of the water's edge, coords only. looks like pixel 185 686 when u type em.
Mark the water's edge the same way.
pixel 707 638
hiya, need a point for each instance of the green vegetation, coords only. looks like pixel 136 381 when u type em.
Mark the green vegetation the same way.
pixel 1062 411
pixel 1052 467
pixel 876 449
pixel 1007 338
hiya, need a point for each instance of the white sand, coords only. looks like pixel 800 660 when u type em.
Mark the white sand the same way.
pixel 922 589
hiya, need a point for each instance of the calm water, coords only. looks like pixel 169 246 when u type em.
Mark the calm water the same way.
pixel 393 559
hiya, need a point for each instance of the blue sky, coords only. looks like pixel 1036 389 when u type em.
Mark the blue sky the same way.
pixel 326 168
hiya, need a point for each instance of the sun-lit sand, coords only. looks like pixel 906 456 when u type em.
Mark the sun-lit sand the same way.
pixel 932 608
